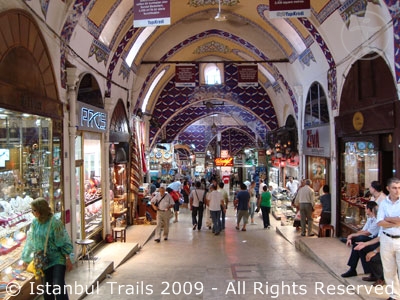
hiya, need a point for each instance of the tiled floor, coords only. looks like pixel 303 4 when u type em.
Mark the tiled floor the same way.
pixel 257 264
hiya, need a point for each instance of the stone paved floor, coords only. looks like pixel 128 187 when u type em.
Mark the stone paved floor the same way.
pixel 256 264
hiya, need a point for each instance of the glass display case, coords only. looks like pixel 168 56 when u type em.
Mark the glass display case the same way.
pixel 88 180
pixel 359 167
pixel 30 167
pixel 118 186
pixel 281 206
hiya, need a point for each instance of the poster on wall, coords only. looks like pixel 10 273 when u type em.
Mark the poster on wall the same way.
pixel 317 172
pixel 151 13
pixel 289 8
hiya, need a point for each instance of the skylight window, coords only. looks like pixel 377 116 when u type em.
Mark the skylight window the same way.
pixel 138 44
pixel 150 91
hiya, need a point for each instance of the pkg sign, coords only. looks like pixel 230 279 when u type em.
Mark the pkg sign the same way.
pixel 91 118
pixel 289 8
pixel 151 13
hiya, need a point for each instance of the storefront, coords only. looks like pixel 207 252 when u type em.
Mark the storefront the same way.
pixel 90 168
pixel 119 137
pixel 368 139
pixel 31 143
pixel 317 149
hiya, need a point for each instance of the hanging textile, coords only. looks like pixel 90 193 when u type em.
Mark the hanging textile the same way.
pixel 135 171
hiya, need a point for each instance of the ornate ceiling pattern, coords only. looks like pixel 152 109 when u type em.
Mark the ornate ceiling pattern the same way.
pixel 248 34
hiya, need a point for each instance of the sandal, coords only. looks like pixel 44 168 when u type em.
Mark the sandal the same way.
pixel 237 228
pixel 243 229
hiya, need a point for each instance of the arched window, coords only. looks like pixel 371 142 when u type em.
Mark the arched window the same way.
pixel 316 109
pixel 212 74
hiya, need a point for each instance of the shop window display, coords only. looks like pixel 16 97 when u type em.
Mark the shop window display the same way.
pixel 358 169
pixel 89 187
pixel 30 167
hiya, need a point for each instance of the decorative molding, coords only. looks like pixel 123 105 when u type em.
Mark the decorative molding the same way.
pixel 198 3
pixel 100 50
pixel 306 57
pixel 44 4
pixel 212 46
pixel 354 7
pixel 124 70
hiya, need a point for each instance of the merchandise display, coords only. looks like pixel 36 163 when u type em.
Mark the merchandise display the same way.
pixel 359 169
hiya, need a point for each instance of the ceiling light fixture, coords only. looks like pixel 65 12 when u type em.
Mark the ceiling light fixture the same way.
pixel 220 17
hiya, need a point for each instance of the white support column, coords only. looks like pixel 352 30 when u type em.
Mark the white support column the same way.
pixel 72 79
pixel 298 90
pixel 109 107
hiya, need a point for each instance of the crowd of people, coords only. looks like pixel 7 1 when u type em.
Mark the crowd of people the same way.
pixel 209 201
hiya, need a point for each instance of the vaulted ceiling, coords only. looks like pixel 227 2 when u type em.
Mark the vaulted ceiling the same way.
pixel 288 52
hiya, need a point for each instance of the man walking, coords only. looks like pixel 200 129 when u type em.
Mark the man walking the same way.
pixel 389 219
pixel 162 202
pixel 215 201
pixel 305 198
pixel 196 199
pixel 242 201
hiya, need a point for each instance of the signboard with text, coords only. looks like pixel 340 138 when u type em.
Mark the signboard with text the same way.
pixel 316 141
pixel 185 76
pixel 223 162
pixel 247 75
pixel 289 8
pixel 91 118
pixel 151 13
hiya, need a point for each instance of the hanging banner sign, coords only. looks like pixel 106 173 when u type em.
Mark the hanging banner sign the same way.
pixel 316 141
pixel 289 8
pixel 151 13
pixel 91 118
pixel 247 75
pixel 223 162
pixel 185 76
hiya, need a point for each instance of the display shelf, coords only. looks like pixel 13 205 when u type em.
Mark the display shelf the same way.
pixel 90 202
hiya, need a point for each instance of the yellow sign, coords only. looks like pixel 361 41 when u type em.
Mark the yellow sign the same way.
pixel 224 162
pixel 358 121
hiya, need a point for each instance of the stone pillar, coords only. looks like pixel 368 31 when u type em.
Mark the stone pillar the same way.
pixel 72 79
pixel 298 90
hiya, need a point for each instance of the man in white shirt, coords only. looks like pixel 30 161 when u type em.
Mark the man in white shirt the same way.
pixel 292 185
pixel 196 199
pixel 162 202
pixel 389 219
pixel 215 201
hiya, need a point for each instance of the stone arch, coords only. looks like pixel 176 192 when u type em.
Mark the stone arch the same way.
pixel 25 61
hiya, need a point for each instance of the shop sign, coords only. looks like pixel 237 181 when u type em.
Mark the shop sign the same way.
pixel 316 141
pixel 185 75
pixel 223 162
pixel 151 13
pixel 91 118
pixel 289 8
pixel 247 76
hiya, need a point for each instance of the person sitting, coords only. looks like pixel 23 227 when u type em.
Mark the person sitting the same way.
pixel 373 259
pixel 367 233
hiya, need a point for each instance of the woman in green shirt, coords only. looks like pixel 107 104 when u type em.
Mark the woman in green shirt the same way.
pixel 265 205
pixel 59 248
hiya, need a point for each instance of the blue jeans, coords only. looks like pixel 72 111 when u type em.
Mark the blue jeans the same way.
pixel 252 209
pixel 216 219
pixel 55 277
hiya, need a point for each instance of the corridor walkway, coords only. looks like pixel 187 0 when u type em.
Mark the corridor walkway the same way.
pixel 257 264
